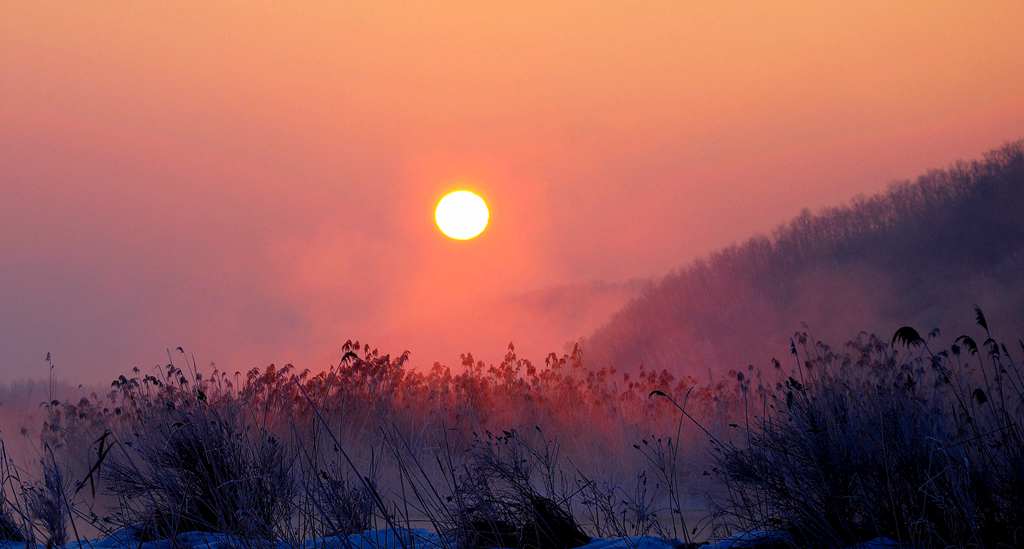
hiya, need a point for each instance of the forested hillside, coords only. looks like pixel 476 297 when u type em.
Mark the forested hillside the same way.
pixel 922 253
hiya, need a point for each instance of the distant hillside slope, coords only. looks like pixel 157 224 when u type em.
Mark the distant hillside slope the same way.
pixel 920 254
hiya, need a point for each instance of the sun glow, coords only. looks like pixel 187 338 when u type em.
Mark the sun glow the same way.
pixel 461 215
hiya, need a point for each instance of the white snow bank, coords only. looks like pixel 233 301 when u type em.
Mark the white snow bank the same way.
pixel 751 539
pixel 645 542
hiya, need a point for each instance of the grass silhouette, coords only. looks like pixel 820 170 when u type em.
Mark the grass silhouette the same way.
pixel 895 437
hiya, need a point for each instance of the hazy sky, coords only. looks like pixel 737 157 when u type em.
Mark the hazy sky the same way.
pixel 255 180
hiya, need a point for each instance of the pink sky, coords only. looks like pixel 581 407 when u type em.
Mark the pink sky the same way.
pixel 255 181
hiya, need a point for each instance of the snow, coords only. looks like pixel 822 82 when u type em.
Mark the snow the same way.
pixel 645 542
pixel 751 539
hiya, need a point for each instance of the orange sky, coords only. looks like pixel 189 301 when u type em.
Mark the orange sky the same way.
pixel 255 180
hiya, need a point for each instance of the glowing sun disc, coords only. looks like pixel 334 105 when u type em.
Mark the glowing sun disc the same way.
pixel 461 215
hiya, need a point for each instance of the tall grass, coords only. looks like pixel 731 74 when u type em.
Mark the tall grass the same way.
pixel 278 453
pixel 900 438
pixel 190 464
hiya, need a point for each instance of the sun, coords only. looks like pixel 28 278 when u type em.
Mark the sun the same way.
pixel 461 215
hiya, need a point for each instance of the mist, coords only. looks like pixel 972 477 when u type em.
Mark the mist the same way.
pixel 256 184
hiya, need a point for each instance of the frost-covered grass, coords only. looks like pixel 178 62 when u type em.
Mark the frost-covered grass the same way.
pixel 383 539
pixel 895 440
pixel 513 453
pixel 905 440
pixel 423 539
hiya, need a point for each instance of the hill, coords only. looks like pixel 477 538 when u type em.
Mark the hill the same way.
pixel 921 253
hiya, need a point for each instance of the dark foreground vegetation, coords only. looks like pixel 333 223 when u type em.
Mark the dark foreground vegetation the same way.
pixel 901 438
pixel 925 446
pixel 919 254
